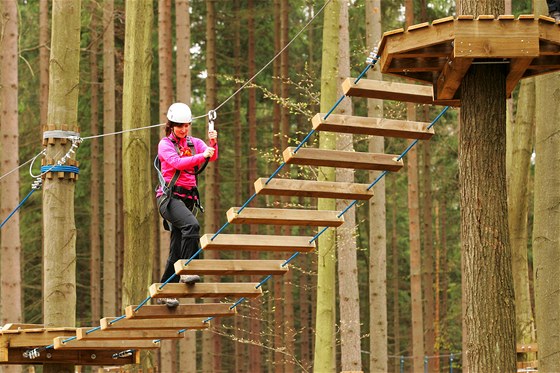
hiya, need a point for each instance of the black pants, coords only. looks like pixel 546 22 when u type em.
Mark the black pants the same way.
pixel 185 234
pixel 553 5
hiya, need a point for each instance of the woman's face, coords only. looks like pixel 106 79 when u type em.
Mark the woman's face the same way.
pixel 182 130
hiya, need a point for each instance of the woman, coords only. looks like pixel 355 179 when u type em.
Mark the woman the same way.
pixel 181 158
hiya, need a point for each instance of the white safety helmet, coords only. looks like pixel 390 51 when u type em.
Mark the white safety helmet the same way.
pixel 179 113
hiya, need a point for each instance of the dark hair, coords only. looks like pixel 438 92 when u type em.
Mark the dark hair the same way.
pixel 169 127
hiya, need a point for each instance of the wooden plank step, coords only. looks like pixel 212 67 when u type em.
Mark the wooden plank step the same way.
pixel 14 356
pixel 137 334
pixel 206 290
pixel 420 94
pixel 312 188
pixel 147 324
pixel 372 126
pixel 124 344
pixel 343 159
pixel 308 218
pixel 194 310
pixel 17 326
pixel 39 337
pixel 230 267
pixel 257 242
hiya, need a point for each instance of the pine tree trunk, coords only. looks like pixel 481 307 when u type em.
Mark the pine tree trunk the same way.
pixel 519 169
pixel 43 60
pixel 395 275
pixel 139 218
pixel 10 243
pixel 488 299
pixel 546 227
pixel 324 358
pixel 109 164
pixel 59 251
pixel 95 232
pixel 348 291
pixel 377 217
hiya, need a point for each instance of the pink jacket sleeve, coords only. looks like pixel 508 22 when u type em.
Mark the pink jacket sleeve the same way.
pixel 167 153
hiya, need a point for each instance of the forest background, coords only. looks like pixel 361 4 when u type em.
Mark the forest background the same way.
pixel 286 93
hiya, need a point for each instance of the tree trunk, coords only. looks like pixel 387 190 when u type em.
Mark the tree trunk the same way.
pixel 377 217
pixel 139 218
pixel 395 276
pixel 59 252
pixel 488 299
pixel 325 358
pixel 95 237
pixel 348 292
pixel 109 164
pixel 10 243
pixel 519 169
pixel 546 227
pixel 43 60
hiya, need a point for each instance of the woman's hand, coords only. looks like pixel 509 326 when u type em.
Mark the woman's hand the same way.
pixel 208 152
pixel 213 137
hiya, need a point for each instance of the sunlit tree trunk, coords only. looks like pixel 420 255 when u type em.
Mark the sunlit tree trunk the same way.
pixel 59 230
pixel 324 358
pixel 377 217
pixel 139 218
pixel 488 300
pixel 10 243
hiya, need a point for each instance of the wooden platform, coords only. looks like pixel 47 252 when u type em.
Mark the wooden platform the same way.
pixel 372 126
pixel 311 188
pixel 257 242
pixel 291 217
pixel 342 159
pixel 206 290
pixel 439 54
pixel 230 267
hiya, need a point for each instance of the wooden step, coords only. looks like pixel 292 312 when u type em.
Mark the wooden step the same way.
pixel 256 242
pixel 230 267
pixel 206 290
pixel 15 356
pixel 312 188
pixel 124 344
pixel 194 310
pixel 35 337
pixel 107 335
pixel 420 94
pixel 372 126
pixel 306 218
pixel 342 159
pixel 146 324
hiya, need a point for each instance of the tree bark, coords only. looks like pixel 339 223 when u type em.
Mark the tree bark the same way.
pixel 43 60
pixel 10 243
pixel 59 229
pixel 324 358
pixel 378 349
pixel 139 218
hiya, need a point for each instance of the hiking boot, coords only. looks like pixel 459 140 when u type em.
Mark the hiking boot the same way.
pixel 169 302
pixel 189 279
pixel 555 14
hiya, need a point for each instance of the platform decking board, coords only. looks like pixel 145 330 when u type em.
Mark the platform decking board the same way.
pixel 136 334
pixel 451 76
pixel 257 242
pixel 388 90
pixel 550 33
pixel 231 267
pixel 150 324
pixel 206 290
pixel 506 17
pixel 311 188
pixel 14 356
pixel 372 126
pixel 436 34
pixel 342 159
pixel 125 344
pixel 291 217
pixel 417 26
pixel 443 20
pixel 195 310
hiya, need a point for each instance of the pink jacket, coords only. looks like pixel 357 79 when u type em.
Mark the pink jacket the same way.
pixel 171 160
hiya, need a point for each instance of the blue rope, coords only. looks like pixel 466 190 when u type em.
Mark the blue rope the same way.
pixel 62 168
pixel 93 330
pixel 263 281
pixel 17 207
